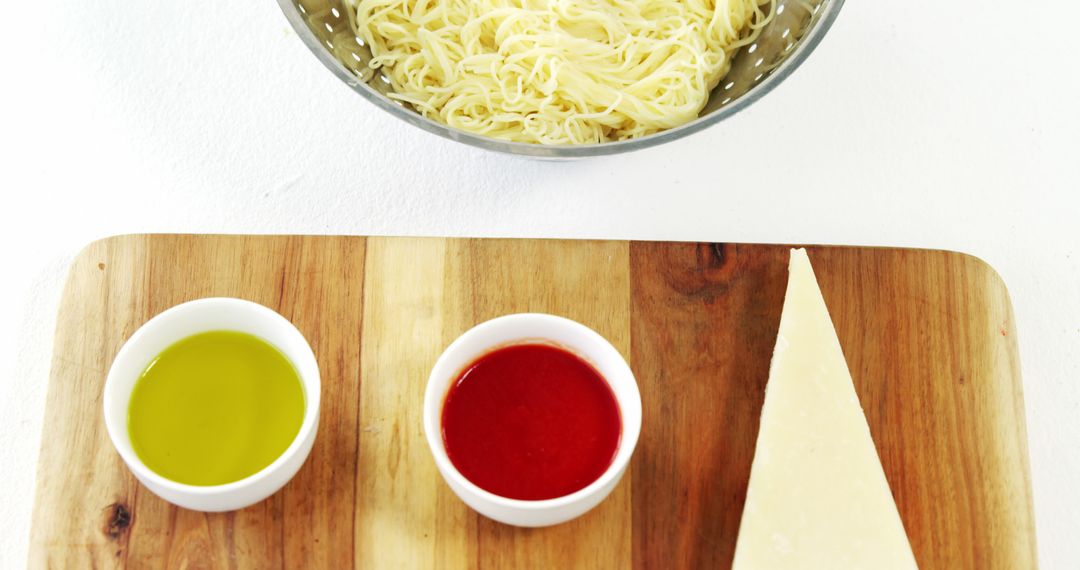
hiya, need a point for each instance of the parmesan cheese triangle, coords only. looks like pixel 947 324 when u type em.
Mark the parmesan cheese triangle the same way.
pixel 818 498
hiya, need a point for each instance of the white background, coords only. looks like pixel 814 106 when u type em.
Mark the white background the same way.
pixel 922 123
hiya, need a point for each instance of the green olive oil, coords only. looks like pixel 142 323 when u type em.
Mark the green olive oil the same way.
pixel 214 408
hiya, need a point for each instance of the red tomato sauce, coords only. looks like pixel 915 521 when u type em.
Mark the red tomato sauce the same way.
pixel 531 422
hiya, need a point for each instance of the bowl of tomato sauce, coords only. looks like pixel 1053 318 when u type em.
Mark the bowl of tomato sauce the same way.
pixel 532 418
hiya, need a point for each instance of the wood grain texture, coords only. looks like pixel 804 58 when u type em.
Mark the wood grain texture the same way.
pixel 702 317
pixel 928 335
pixel 406 516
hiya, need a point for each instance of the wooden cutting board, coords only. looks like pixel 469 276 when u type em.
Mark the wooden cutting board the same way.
pixel 929 338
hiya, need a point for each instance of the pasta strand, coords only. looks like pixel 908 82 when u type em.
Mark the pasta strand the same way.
pixel 557 71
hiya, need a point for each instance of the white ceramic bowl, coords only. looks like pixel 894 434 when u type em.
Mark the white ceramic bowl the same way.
pixel 521 328
pixel 180 322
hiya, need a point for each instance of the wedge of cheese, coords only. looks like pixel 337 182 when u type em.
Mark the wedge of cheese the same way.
pixel 818 497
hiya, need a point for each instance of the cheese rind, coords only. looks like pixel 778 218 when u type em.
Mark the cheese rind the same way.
pixel 818 497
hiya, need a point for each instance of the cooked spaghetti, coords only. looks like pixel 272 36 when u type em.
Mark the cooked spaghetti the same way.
pixel 556 71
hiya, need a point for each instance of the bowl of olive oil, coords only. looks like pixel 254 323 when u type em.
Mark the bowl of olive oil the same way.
pixel 214 404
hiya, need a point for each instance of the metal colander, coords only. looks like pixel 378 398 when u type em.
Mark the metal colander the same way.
pixel 755 70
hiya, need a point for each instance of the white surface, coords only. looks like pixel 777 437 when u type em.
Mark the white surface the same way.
pixel 817 497
pixel 180 322
pixel 523 327
pixel 933 124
